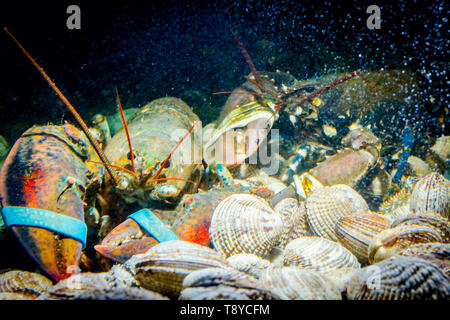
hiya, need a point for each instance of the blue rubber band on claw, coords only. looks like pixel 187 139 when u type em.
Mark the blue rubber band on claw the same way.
pixel 155 227
pixel 40 218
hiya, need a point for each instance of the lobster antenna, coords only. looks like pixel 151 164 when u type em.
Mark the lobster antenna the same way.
pixel 66 102
pixel 125 126
pixel 255 72
pixel 171 153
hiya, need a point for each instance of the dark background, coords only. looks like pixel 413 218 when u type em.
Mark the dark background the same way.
pixel 152 49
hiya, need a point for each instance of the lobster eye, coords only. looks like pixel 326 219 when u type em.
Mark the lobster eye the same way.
pixel 161 163
pixel 129 155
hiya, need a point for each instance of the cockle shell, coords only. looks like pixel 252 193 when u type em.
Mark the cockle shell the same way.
pixel 294 283
pixel 294 221
pixel 96 286
pixel 431 193
pixel 325 206
pixel 356 231
pixel 249 263
pixel 399 278
pixel 245 223
pixel 397 205
pixel 318 254
pixel 163 267
pixel 427 218
pixel 27 283
pixel 437 253
pixel 393 240
pixel 442 148
pixel 223 284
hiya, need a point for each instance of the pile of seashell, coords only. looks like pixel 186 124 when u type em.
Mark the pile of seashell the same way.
pixel 328 247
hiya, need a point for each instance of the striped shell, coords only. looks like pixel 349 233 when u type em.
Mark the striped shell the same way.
pixel 393 240
pixel 325 206
pixel 356 231
pixel 27 283
pixel 318 254
pixel 249 263
pixel 163 267
pixel 437 253
pixel 430 219
pixel 431 193
pixel 294 221
pixel 397 205
pixel 96 286
pixel 223 284
pixel 399 278
pixel 245 223
pixel 294 283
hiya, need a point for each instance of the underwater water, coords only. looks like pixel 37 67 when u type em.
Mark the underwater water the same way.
pixel 150 50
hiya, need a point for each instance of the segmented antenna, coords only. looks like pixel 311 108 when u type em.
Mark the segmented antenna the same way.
pixel 69 106
pixel 125 126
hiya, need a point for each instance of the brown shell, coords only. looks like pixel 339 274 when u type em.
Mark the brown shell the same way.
pixel 294 283
pixel 318 254
pixel 223 284
pixel 437 253
pixel 399 278
pixel 356 231
pixel 96 286
pixel 397 205
pixel 430 219
pixel 249 263
pixel 163 267
pixel 245 223
pixel 431 193
pixel 27 283
pixel 325 206
pixel 393 240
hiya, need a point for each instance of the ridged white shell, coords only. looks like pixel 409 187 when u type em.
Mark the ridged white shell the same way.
pixel 294 283
pixel 355 232
pixel 249 263
pixel 294 221
pixel 223 284
pixel 245 223
pixel 318 254
pixel 163 267
pixel 431 193
pixel 325 206
pixel 399 278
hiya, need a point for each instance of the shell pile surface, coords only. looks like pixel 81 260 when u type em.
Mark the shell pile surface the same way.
pixel 163 268
pixel 96 286
pixel 294 220
pixel 431 193
pixel 437 253
pixel 325 206
pixel 356 231
pixel 393 240
pixel 223 284
pixel 249 263
pixel 26 283
pixel 294 283
pixel 442 148
pixel 318 254
pixel 399 278
pixel 245 223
